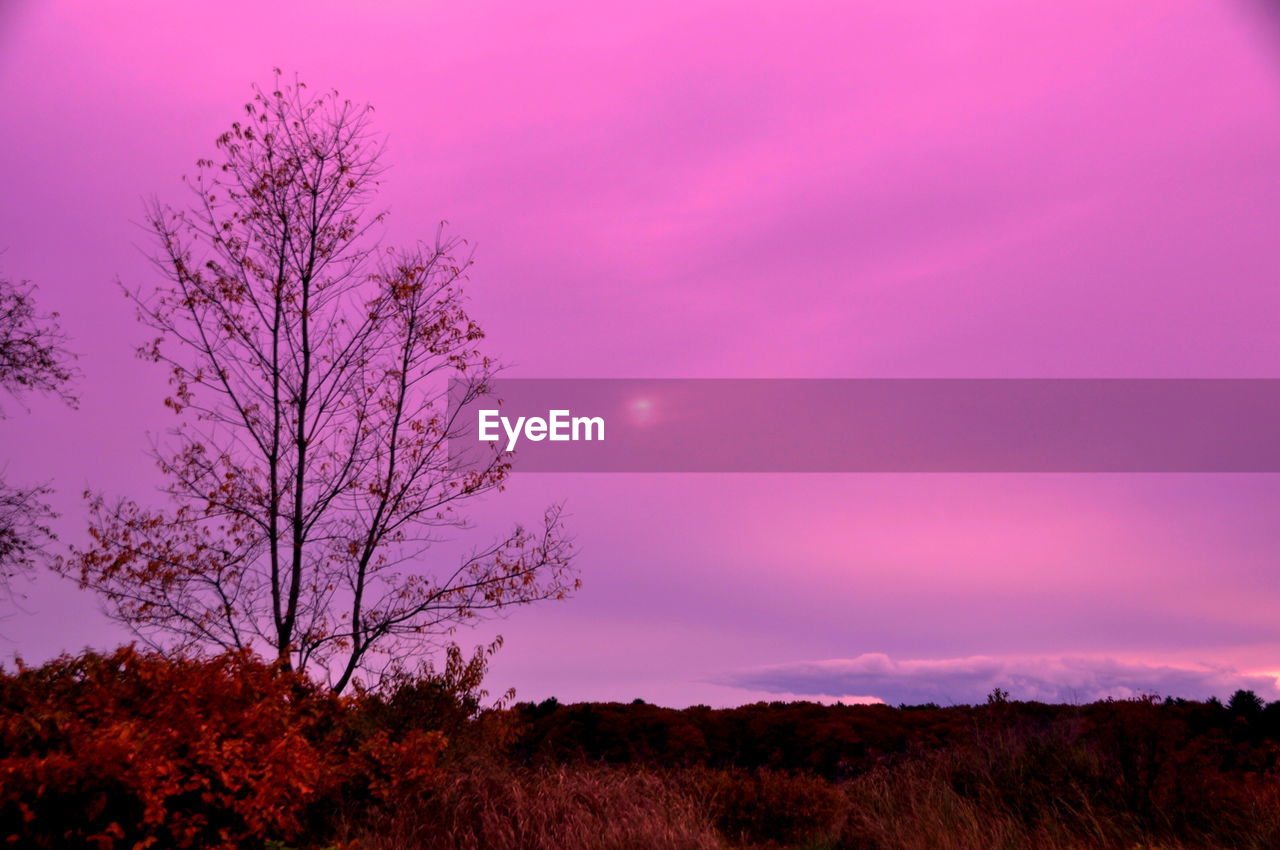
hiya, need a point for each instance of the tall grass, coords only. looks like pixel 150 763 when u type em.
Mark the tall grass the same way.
pixel 1013 790
pixel 495 807
pixel 1052 792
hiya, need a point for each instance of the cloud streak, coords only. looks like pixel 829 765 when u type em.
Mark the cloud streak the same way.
pixel 1069 679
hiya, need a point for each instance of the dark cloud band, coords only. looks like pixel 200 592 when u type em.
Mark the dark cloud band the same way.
pixel 1070 679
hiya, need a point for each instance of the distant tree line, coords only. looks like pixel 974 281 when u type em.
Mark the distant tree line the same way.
pixel 840 741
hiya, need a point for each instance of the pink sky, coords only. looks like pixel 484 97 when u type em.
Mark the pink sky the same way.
pixel 882 189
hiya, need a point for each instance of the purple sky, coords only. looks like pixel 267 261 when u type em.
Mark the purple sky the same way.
pixel 882 189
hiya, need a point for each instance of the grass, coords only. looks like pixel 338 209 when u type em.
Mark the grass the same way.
pixel 496 807
pixel 1006 792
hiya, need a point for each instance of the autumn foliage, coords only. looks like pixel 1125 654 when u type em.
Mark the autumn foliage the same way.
pixel 135 750
pixel 33 359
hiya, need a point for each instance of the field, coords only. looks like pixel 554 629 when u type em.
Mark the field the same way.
pixel 133 749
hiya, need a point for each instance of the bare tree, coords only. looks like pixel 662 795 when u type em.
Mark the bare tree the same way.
pixel 33 358
pixel 309 476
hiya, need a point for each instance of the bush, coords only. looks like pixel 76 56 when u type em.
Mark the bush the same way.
pixel 766 806
pixel 450 701
pixel 136 750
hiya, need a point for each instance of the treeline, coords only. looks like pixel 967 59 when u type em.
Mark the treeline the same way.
pixel 837 742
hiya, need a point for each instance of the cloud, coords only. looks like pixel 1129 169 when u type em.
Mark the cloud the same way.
pixel 1069 679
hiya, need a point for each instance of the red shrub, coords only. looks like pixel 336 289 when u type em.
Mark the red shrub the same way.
pixel 135 750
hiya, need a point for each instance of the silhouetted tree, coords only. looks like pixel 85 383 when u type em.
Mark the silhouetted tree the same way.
pixel 310 473
pixel 1245 704
pixel 33 358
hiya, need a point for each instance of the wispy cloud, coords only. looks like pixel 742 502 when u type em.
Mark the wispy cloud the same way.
pixel 969 680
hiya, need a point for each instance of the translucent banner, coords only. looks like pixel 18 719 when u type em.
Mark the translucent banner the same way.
pixel 870 425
